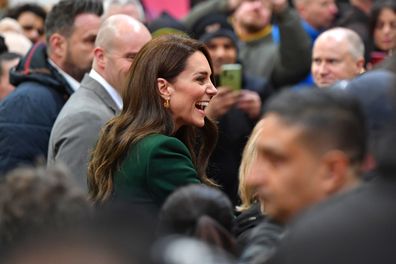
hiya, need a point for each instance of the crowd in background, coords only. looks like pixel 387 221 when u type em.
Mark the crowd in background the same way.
pixel 121 140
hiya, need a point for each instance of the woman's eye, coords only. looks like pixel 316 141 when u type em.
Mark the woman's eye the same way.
pixel 201 79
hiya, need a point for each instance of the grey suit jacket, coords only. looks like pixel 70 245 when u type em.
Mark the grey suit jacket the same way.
pixel 77 128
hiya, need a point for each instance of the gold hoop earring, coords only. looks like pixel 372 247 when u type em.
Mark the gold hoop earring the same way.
pixel 167 103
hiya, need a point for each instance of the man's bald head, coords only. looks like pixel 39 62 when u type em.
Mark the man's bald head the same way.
pixel 117 27
pixel 344 36
pixel 119 39
pixel 338 54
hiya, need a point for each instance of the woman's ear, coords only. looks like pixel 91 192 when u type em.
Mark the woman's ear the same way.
pixel 163 88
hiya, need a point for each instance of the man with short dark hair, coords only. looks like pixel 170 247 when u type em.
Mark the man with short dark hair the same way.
pixel 311 146
pixel 31 17
pixel 44 79
pixel 358 226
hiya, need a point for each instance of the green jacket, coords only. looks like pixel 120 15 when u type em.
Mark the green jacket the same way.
pixel 154 167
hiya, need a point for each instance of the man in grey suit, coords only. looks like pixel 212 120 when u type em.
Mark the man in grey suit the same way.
pixel 98 99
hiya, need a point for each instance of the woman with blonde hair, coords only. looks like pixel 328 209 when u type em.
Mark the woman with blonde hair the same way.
pixel 250 210
pixel 249 154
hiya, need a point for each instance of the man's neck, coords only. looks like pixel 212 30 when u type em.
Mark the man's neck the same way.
pixel 74 84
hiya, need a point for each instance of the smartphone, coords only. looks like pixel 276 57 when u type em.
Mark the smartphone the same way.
pixel 231 76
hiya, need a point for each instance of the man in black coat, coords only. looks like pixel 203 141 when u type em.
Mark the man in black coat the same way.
pixel 359 226
pixel 311 146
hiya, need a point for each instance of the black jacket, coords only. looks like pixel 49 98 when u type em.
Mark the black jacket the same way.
pixel 234 128
pixel 355 227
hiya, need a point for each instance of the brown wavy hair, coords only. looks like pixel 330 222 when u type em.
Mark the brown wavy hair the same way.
pixel 143 114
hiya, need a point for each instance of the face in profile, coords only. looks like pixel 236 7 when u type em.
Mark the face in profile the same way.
pixel 119 57
pixel 222 51
pixel 190 92
pixel 284 175
pixel 385 30
pixel 332 61
pixel 80 45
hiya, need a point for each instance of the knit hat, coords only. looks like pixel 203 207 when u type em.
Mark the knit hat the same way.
pixel 212 26
pixel 166 24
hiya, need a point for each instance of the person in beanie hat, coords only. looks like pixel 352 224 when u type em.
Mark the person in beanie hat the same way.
pixel 166 24
pixel 235 111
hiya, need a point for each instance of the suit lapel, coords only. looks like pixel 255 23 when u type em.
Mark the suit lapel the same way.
pixel 91 84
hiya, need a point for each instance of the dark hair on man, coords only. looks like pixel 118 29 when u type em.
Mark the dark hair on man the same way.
pixel 16 11
pixel 330 119
pixel 8 56
pixel 61 17
pixel 35 199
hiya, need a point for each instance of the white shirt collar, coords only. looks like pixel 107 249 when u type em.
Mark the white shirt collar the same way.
pixel 74 84
pixel 110 90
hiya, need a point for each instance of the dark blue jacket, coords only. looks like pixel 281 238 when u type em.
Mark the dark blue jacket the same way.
pixel 28 114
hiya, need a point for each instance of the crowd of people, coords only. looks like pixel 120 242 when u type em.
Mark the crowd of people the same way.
pixel 125 138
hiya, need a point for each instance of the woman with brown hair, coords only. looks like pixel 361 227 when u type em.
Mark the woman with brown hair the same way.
pixel 162 138
pixel 383 30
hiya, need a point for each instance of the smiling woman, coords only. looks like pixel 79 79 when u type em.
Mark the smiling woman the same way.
pixel 162 138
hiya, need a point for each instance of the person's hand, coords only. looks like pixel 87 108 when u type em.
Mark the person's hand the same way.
pixel 279 5
pixel 221 102
pixel 250 103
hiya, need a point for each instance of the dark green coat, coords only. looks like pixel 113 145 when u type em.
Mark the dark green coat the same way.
pixel 155 166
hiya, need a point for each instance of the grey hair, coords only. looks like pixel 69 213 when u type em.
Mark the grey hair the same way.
pixel 108 3
pixel 355 43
